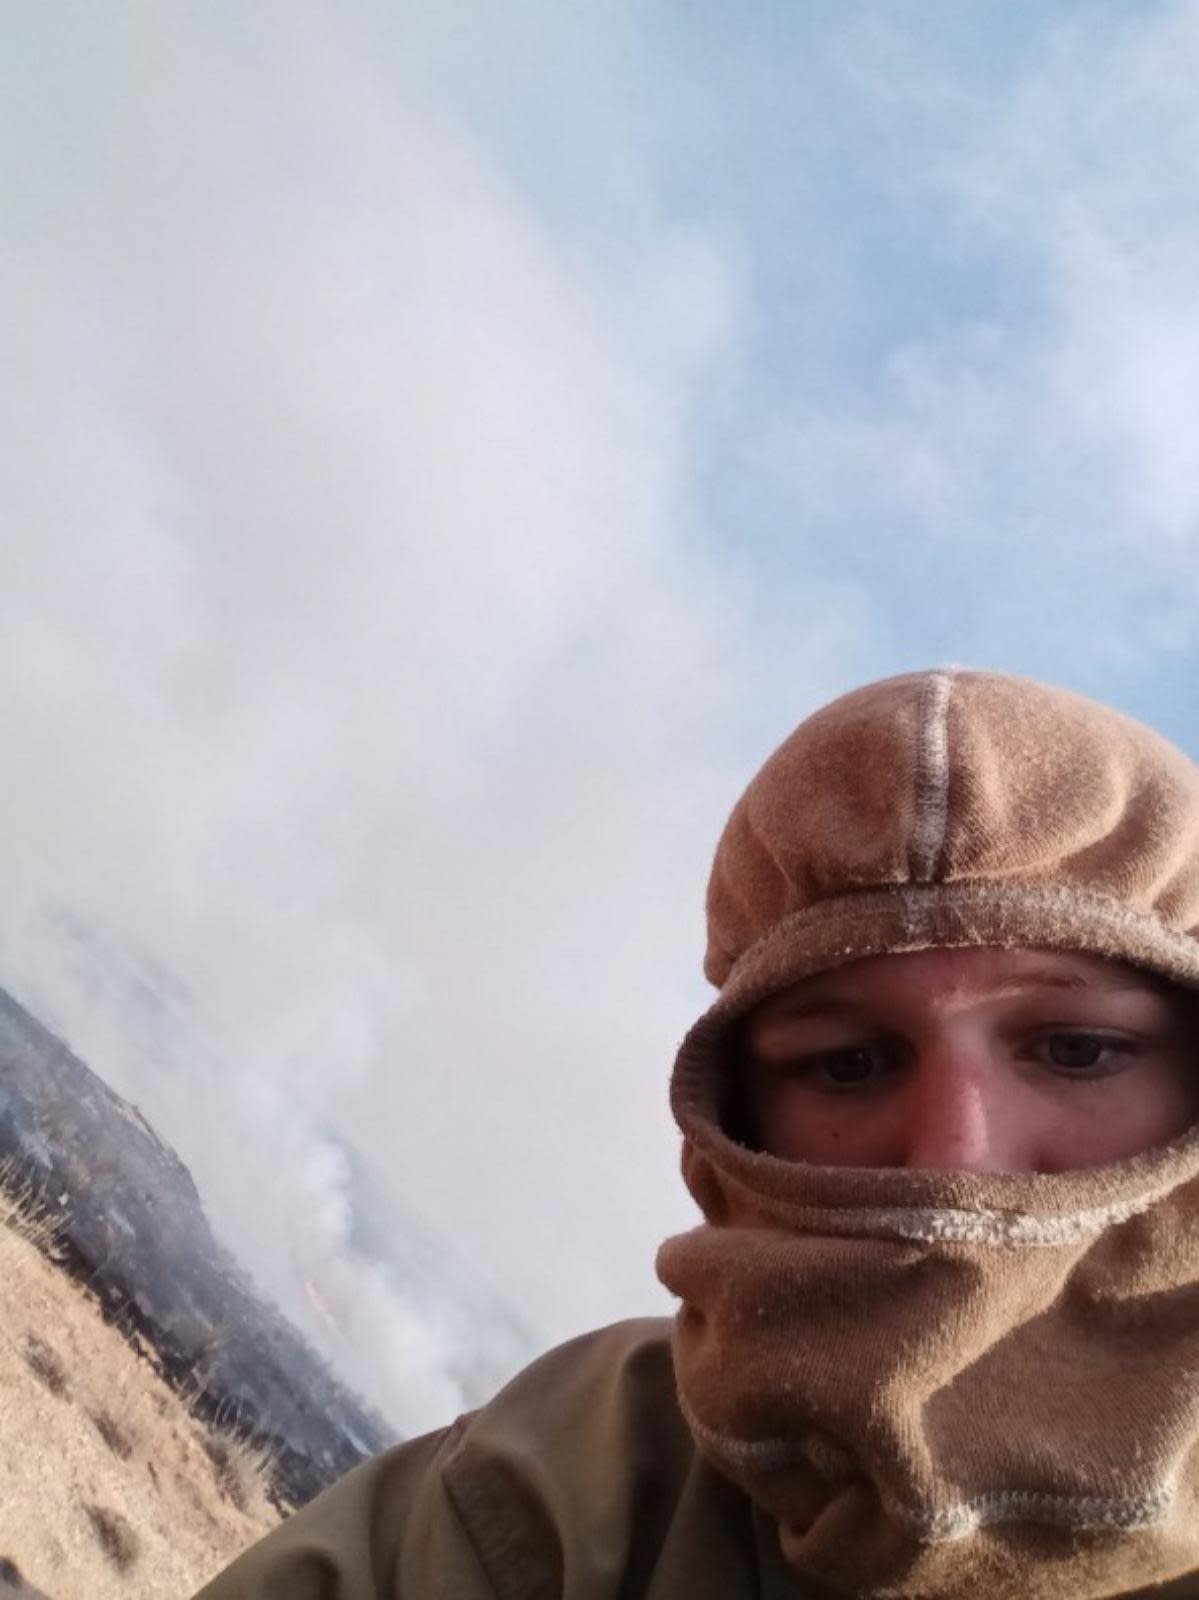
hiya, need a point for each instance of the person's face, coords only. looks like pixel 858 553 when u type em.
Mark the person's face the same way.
pixel 975 1060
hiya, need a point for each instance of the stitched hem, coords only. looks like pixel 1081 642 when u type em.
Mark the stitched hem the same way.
pixel 943 1524
pixel 1011 1230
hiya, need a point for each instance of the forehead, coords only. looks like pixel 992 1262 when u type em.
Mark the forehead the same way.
pixel 977 972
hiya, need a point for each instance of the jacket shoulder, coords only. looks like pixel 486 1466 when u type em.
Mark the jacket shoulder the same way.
pixel 580 1477
pixel 613 1387
pixel 587 1423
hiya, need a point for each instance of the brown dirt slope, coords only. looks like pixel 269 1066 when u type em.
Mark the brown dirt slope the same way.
pixel 112 1486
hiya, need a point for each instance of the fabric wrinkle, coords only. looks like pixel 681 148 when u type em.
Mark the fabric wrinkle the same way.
pixel 927 1380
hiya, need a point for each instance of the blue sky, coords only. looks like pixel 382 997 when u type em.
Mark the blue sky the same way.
pixel 446 448
pixel 938 227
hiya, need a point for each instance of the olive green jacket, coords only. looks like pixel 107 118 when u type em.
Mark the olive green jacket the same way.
pixel 579 1481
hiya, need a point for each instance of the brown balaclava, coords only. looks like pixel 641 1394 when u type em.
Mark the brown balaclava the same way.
pixel 936 1383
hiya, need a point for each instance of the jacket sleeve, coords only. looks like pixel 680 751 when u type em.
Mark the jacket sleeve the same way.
pixel 389 1518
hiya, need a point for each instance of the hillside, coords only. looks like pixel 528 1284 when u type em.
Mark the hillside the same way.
pixel 331 1241
pixel 112 1485
pixel 130 1225
pixel 156 1413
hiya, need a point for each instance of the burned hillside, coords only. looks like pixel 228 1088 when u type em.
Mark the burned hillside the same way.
pixel 130 1227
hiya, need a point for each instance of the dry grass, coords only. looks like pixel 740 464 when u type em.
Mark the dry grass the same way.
pixel 114 1536
pixel 241 1466
pixel 114 1436
pixel 45 1365
pixel 127 1490
pixel 24 1211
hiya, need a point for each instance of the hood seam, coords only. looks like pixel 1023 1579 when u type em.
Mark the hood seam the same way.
pixel 932 778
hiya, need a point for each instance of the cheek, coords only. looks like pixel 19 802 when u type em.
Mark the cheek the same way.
pixel 1164 1103
pixel 826 1130
pixel 1123 1116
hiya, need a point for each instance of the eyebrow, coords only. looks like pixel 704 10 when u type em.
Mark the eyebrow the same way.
pixel 831 1005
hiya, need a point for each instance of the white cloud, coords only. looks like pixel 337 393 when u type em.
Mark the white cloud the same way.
pixel 1032 462
pixel 1090 174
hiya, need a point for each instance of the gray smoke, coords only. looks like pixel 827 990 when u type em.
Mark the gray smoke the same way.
pixel 359 688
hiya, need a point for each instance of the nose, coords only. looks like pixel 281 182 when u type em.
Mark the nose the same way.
pixel 958 1119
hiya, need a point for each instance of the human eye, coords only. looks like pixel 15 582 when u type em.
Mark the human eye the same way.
pixel 1082 1053
pixel 845 1069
